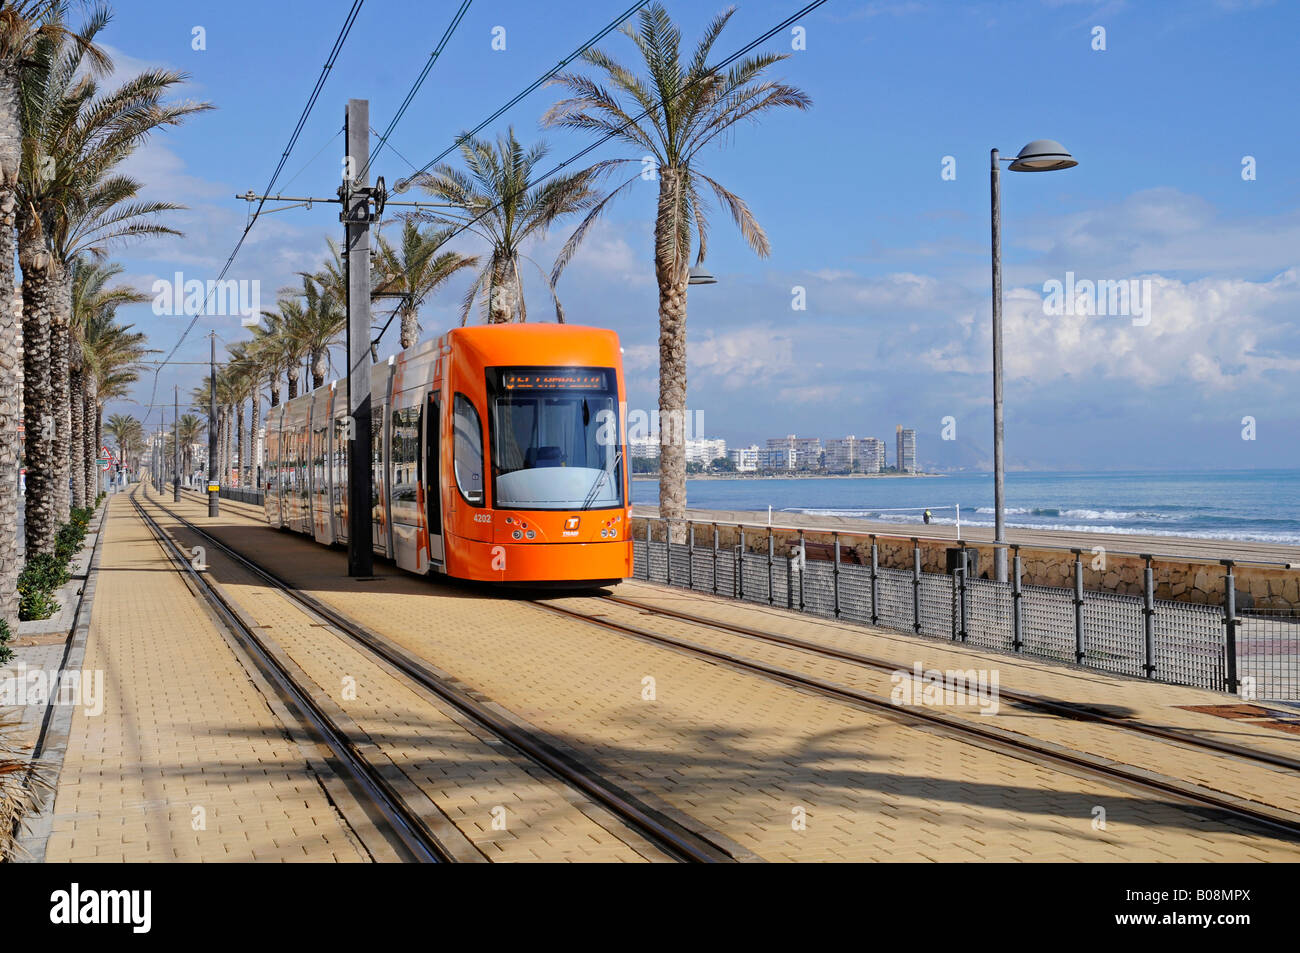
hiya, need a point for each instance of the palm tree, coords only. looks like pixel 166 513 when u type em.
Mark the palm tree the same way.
pixel 23 24
pixel 317 326
pixel 191 429
pixel 70 201
pixel 100 347
pixel 128 434
pixel 686 107
pixel 495 192
pixel 414 270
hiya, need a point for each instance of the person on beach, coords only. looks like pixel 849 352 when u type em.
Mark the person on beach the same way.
pixel 926 516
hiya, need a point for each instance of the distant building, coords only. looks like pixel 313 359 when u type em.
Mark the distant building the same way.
pixel 705 452
pixel 871 455
pixel 778 458
pixel 808 450
pixel 702 452
pixel 746 459
pixel 906 440
pixel 646 448
pixel 842 454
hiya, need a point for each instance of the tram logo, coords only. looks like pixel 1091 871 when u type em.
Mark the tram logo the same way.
pixel 932 687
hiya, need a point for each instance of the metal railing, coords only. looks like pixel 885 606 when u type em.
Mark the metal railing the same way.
pixel 242 494
pixel 1254 652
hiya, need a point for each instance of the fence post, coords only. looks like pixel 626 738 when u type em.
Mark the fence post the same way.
pixel 789 581
pixel 1078 605
pixel 647 548
pixel 1017 620
pixel 916 585
pixel 803 568
pixel 1149 618
pixel 771 581
pixel 740 566
pixel 1230 623
pixel 961 590
pixel 668 551
pixel 875 587
pixel 835 573
pixel 715 559
pixel 690 555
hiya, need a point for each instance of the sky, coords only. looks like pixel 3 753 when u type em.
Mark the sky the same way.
pixel 876 202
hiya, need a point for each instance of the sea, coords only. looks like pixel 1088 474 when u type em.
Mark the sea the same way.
pixel 1255 505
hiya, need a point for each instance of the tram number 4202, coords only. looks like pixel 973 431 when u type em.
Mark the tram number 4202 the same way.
pixel 482 517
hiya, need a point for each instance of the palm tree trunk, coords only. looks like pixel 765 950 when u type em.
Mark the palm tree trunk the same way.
pixel 255 413
pixel 410 328
pixel 38 394
pixel 501 303
pixel 60 346
pixel 292 374
pixel 275 389
pixel 77 438
pixel 672 274
pixel 240 457
pixel 317 369
pixel 89 445
pixel 11 347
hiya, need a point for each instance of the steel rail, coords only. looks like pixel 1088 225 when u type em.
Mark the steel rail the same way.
pixel 1016 746
pixel 1076 712
pixel 405 827
pixel 664 832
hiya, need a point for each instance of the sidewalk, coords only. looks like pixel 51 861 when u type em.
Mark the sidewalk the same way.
pixel 185 761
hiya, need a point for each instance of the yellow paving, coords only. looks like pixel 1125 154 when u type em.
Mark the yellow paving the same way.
pixel 509 809
pixel 788 775
pixel 186 762
pixel 1153 703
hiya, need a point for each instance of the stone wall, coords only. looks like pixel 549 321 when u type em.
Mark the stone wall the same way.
pixel 1175 579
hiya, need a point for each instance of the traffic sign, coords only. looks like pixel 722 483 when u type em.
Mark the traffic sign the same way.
pixel 103 463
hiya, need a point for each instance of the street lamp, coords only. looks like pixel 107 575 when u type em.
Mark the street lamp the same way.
pixel 699 275
pixel 1041 155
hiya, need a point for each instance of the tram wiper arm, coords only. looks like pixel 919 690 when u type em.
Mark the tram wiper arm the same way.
pixel 595 487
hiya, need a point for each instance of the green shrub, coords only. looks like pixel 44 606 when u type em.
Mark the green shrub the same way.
pixel 36 604
pixel 44 572
pixel 6 653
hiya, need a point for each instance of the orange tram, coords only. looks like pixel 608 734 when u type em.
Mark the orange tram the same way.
pixel 496 455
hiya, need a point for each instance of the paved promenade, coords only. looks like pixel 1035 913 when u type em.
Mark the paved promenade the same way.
pixel 187 761
pixel 792 776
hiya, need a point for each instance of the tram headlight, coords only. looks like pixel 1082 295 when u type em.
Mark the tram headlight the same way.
pixel 516 534
pixel 531 534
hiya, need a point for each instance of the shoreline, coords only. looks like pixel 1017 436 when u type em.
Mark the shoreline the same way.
pixel 1118 543
pixel 654 478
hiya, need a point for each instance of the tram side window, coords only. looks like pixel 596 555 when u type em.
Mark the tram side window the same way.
pixel 467 457
pixel 404 485
pixel 376 454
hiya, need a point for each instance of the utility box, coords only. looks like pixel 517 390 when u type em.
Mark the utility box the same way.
pixel 954 554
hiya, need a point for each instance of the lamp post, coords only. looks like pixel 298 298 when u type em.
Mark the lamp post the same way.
pixel 1041 155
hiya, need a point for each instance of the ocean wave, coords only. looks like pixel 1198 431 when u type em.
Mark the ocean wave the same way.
pixel 1081 514
pixel 1287 539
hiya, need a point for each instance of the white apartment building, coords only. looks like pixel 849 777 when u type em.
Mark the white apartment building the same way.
pixel 746 459
pixel 842 454
pixel 906 460
pixel 871 455
pixel 705 452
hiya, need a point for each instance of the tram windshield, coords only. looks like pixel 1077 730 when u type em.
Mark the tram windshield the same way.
pixel 555 438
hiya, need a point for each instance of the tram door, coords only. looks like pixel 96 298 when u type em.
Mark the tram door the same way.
pixel 433 479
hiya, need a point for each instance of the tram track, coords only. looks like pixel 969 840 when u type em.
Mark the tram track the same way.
pixel 1080 763
pixel 1055 707
pixel 1069 759
pixel 675 837
pixel 407 832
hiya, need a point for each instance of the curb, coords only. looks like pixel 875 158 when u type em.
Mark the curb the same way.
pixel 34 829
